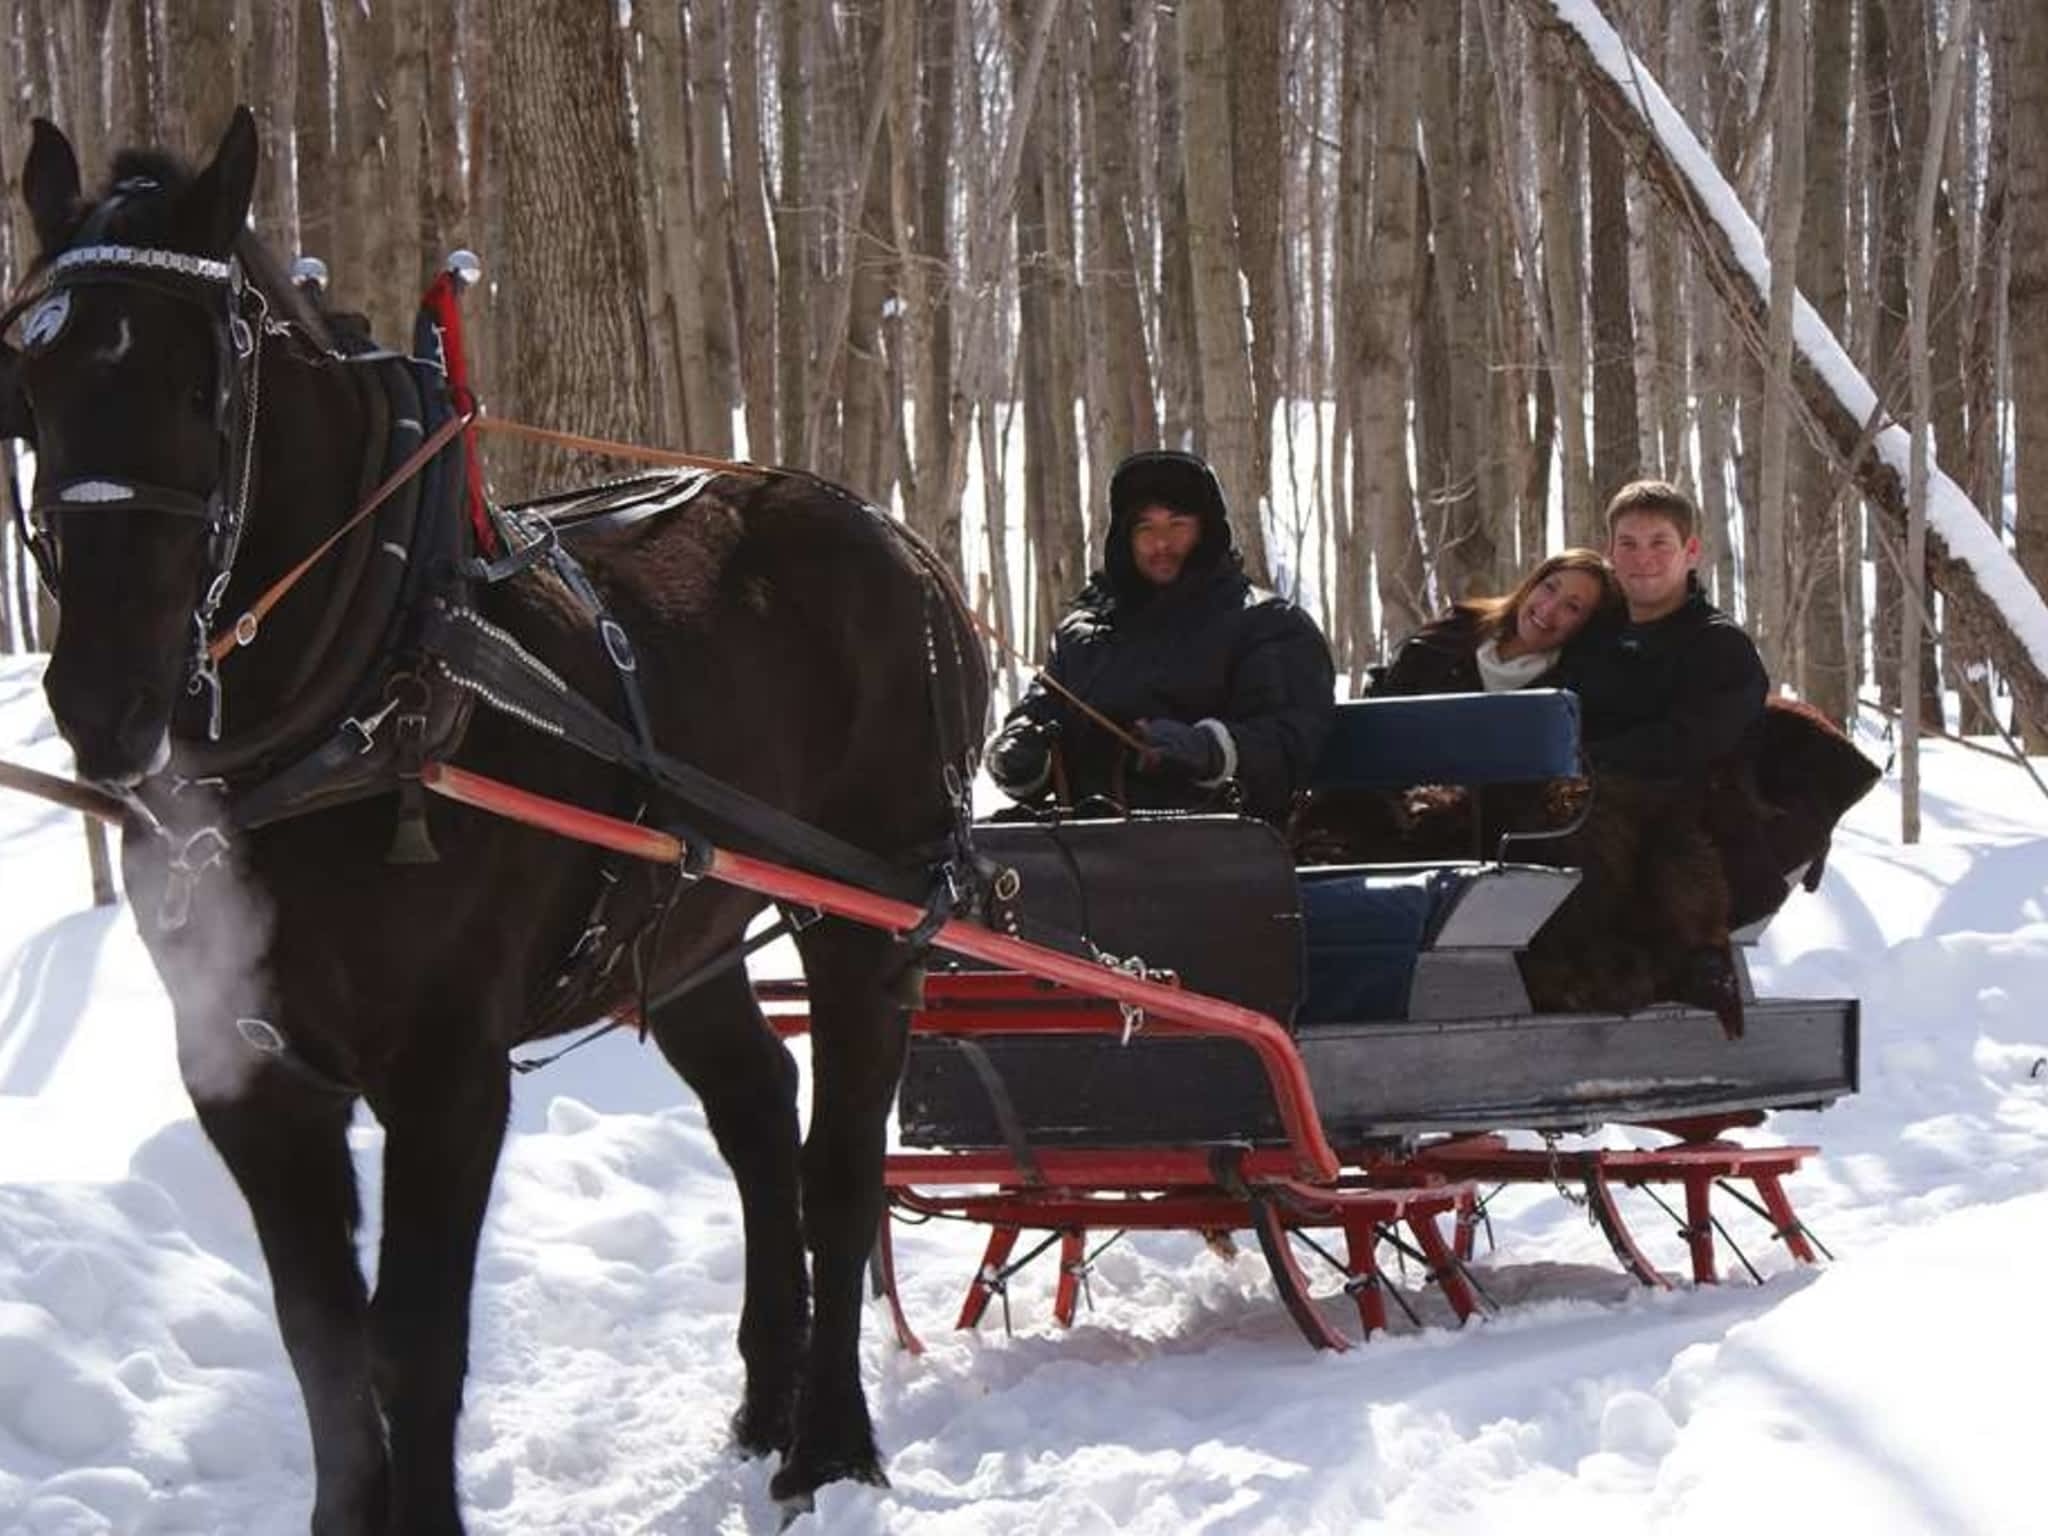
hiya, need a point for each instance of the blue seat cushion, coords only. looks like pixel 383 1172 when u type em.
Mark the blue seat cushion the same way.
pixel 1451 738
pixel 1363 929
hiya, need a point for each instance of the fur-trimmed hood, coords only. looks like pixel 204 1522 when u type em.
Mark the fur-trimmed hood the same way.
pixel 1166 478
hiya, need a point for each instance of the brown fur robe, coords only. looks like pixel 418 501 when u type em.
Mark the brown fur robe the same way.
pixel 1669 868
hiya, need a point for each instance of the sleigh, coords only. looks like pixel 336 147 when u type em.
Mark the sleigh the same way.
pixel 1393 1075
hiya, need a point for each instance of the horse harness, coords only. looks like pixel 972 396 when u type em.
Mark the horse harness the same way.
pixel 238 319
pixel 438 656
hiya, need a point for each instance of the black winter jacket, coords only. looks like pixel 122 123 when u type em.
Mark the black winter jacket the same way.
pixel 1440 657
pixel 1672 699
pixel 1211 646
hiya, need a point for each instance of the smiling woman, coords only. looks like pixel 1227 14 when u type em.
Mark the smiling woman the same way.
pixel 1496 644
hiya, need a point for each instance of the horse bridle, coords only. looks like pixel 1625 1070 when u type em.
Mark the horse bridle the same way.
pixel 237 315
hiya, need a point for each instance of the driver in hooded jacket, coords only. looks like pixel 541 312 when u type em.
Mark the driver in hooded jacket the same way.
pixel 1224 684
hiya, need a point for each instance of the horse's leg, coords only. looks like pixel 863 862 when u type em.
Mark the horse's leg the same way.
pixel 286 1144
pixel 444 1122
pixel 745 1079
pixel 861 986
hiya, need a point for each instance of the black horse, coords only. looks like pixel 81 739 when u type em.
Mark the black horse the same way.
pixel 195 422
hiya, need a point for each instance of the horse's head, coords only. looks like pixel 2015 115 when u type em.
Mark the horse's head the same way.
pixel 135 343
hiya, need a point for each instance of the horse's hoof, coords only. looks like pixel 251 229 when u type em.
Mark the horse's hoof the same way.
pixel 800 1477
pixel 794 1509
pixel 761 1431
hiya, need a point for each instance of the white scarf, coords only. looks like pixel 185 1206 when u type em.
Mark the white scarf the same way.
pixel 1506 675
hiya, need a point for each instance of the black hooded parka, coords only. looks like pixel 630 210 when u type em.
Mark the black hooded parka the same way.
pixel 1208 647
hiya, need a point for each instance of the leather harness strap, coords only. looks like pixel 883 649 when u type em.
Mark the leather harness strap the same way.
pixel 476 655
pixel 243 630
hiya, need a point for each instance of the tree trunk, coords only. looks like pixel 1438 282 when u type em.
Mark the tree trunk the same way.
pixel 1788 206
pixel 754 296
pixel 1559 172
pixel 1384 332
pixel 1891 219
pixel 1617 429
pixel 272 59
pixel 1052 495
pixel 445 216
pixel 871 334
pixel 931 282
pixel 678 281
pixel 1823 672
pixel 1458 178
pixel 359 159
pixel 1915 611
pixel 1180 378
pixel 1227 429
pixel 794 261
pixel 1256 177
pixel 1129 419
pixel 2028 302
pixel 199 37
pixel 974 379
pixel 1352 615
pixel 313 136
pixel 711 223
pixel 575 283
pixel 1967 559
pixel 402 224
pixel 1985 455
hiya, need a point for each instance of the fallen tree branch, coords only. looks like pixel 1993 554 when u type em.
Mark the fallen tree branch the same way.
pixel 1998 607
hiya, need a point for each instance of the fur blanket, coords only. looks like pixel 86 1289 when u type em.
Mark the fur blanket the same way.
pixel 1670 869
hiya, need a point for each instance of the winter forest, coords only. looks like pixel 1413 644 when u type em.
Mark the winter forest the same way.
pixel 1425 281
pixel 1410 274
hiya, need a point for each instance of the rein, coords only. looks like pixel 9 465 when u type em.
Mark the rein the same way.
pixel 611 448
pixel 243 631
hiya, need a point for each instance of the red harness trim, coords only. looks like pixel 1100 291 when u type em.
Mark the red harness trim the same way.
pixel 443 300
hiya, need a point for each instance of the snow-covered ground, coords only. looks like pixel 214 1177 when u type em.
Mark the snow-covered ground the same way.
pixel 142 1388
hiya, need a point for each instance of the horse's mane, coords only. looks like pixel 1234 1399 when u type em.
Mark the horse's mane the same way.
pixel 134 208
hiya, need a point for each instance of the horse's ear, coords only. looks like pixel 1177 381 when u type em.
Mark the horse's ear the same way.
pixel 49 184
pixel 215 207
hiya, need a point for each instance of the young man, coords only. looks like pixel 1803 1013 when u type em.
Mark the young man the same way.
pixel 1221 683
pixel 1675 689
pixel 1671 697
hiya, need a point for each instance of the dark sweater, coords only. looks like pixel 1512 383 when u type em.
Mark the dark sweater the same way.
pixel 1672 699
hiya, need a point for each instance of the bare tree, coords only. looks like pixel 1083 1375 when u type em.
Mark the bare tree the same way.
pixel 1560 172
pixel 711 222
pixel 1384 333
pixel 1914 615
pixel 313 127
pixel 1788 206
pixel 794 221
pixel 574 308
pixel 1222 344
pixel 272 59
pixel 2028 299
pixel 1818 560
pixel 1617 431
pixel 1253 53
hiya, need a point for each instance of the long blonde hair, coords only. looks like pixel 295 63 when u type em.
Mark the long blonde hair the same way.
pixel 1496 615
